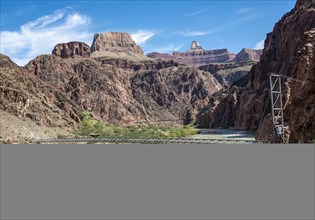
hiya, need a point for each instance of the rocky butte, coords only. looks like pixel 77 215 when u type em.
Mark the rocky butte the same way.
pixel 116 45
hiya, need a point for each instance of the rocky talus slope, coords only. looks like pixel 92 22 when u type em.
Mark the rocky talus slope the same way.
pixel 28 104
pixel 290 51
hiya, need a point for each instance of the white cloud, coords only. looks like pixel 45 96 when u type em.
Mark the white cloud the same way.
pixel 201 33
pixel 142 36
pixel 193 33
pixel 259 45
pixel 168 48
pixel 242 11
pixel 40 36
pixel 195 13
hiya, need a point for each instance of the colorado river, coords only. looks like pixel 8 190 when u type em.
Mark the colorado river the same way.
pixel 225 134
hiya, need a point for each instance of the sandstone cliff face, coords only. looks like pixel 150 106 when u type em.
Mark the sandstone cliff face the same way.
pixel 289 51
pixel 115 42
pixel 70 49
pixel 248 55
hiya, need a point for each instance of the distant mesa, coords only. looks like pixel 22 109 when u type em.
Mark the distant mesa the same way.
pixel 71 49
pixel 198 56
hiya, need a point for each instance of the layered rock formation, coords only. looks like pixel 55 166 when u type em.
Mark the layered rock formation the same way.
pixel 228 73
pixel 289 51
pixel 71 49
pixel 162 56
pixel 248 55
pixel 116 46
pixel 197 56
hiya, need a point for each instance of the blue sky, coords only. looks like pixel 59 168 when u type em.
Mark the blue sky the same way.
pixel 31 28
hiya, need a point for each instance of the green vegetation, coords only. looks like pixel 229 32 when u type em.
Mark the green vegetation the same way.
pixel 91 126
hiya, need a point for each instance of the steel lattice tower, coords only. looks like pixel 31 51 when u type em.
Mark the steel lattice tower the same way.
pixel 276 106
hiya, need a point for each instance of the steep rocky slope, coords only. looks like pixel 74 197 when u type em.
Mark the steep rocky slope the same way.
pixel 25 97
pixel 183 91
pixel 103 90
pixel 289 51
pixel 111 92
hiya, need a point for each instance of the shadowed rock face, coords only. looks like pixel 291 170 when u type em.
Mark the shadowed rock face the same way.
pixel 70 49
pixel 115 42
pixel 288 50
